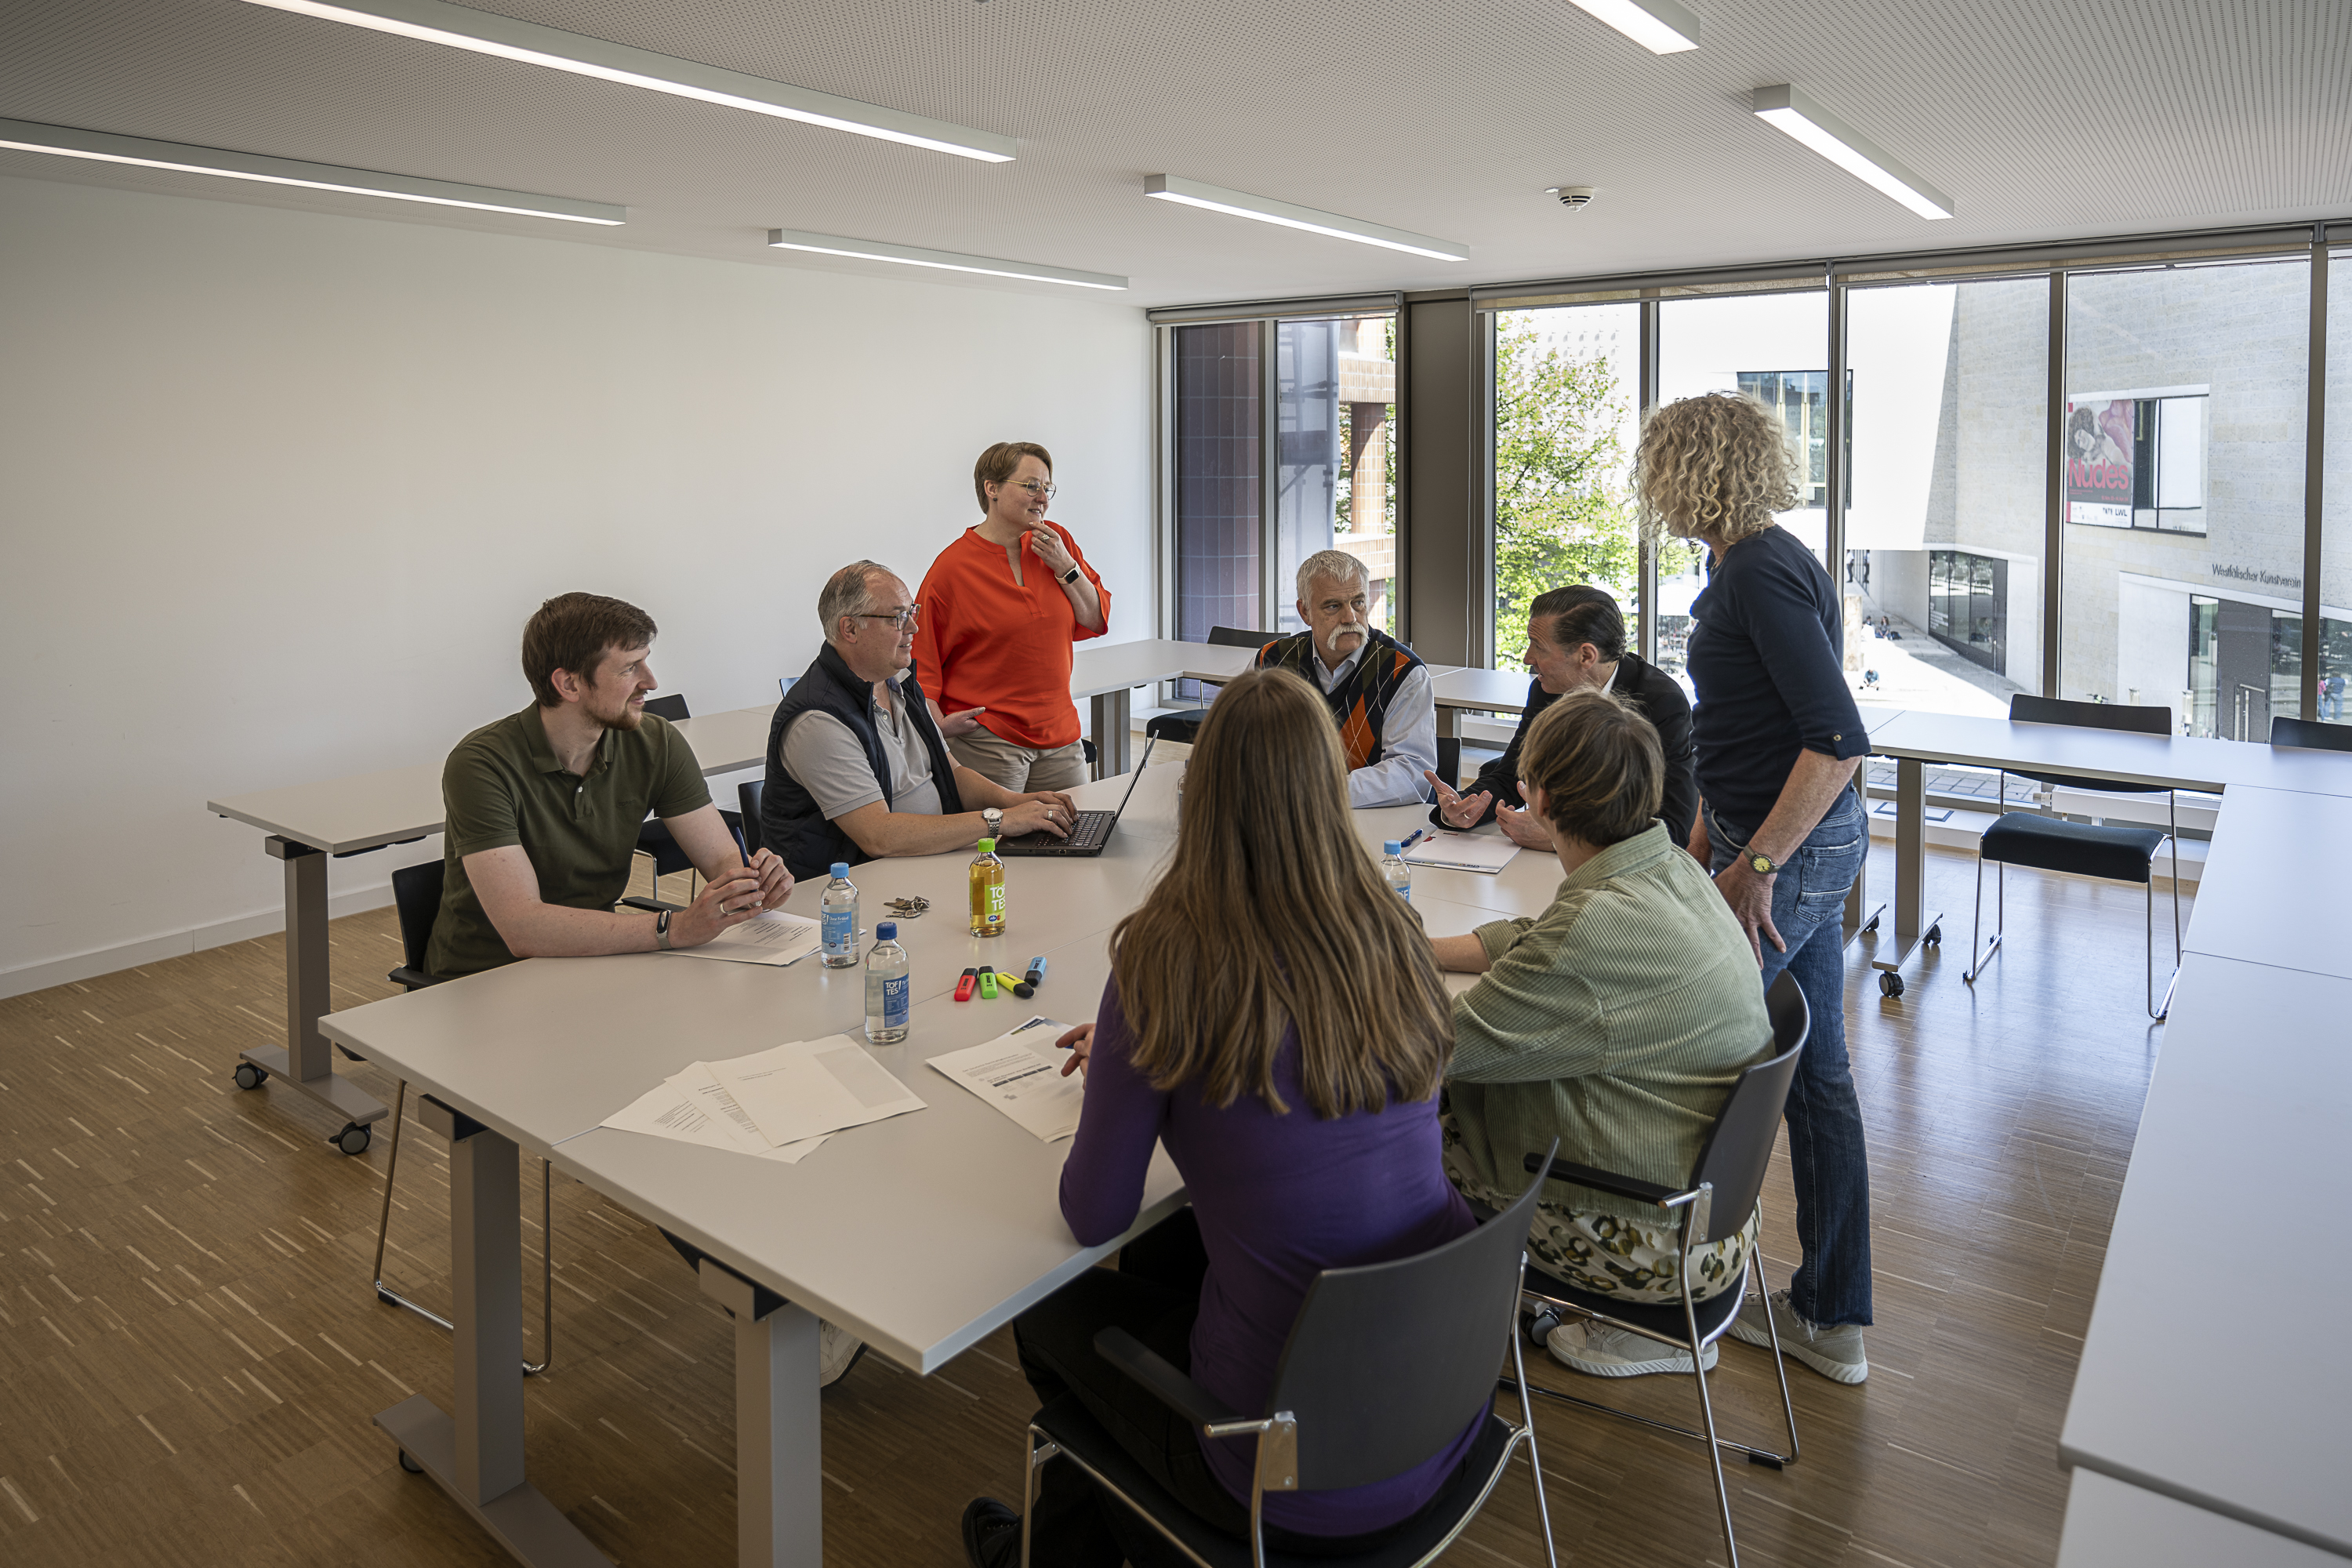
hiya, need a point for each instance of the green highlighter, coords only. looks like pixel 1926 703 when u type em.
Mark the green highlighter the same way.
pixel 987 985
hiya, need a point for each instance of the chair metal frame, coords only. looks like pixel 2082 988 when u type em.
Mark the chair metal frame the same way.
pixel 1692 1208
pixel 1278 1450
pixel 1977 958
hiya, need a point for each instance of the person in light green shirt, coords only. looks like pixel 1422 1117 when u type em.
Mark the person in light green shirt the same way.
pixel 1617 1021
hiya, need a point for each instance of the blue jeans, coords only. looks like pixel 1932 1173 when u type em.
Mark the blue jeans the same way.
pixel 1826 1153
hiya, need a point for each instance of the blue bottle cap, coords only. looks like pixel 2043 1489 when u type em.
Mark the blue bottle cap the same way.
pixel 886 931
pixel 1391 846
pixel 841 868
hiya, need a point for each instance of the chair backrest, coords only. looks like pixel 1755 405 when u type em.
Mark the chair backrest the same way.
pixel 1236 637
pixel 672 708
pixel 416 894
pixel 1738 1147
pixel 746 796
pixel 1387 1363
pixel 2026 708
pixel 2310 733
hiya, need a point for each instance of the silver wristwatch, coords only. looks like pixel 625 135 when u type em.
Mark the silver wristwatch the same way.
pixel 995 820
pixel 661 930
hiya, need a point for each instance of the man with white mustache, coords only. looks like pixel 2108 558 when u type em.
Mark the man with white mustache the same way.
pixel 1378 690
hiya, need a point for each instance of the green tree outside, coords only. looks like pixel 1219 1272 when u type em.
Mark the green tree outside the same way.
pixel 1563 511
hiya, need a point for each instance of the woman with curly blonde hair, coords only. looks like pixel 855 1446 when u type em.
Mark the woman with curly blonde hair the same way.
pixel 1776 733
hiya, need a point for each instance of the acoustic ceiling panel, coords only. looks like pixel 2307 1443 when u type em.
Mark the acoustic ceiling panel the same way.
pixel 2042 119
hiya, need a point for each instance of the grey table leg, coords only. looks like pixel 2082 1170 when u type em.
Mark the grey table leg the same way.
pixel 306 1062
pixel 1914 924
pixel 1111 717
pixel 1861 914
pixel 477 1457
pixel 779 1438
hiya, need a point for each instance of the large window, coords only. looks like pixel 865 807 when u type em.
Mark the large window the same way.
pixel 1565 384
pixel 1947 507
pixel 1219 505
pixel 2183 586
pixel 2334 704
pixel 1335 485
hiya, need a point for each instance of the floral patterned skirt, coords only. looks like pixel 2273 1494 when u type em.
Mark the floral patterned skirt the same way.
pixel 1608 1253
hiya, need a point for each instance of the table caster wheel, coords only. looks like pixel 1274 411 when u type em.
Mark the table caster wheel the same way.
pixel 411 1466
pixel 250 1077
pixel 1540 1325
pixel 353 1138
pixel 1935 937
pixel 1889 983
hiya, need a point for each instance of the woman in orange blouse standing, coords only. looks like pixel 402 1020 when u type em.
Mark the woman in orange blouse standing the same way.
pixel 1002 609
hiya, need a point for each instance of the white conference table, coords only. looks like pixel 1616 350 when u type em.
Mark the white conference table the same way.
pixel 967 1201
pixel 2236 1145
pixel 304 823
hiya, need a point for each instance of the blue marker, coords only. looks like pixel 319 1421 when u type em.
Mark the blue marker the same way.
pixel 1033 979
pixel 1419 834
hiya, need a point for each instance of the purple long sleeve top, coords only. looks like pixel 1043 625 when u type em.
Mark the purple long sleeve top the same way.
pixel 1279 1199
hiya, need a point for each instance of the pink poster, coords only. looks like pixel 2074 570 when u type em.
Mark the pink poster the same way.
pixel 2099 461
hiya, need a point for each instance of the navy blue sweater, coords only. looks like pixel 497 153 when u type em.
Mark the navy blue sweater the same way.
pixel 1767 658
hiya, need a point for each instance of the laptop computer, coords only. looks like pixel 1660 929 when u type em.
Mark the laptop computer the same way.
pixel 1090 835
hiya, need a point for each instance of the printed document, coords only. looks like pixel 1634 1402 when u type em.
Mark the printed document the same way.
pixel 811 1086
pixel 775 938
pixel 1020 1073
pixel 1486 852
pixel 692 1107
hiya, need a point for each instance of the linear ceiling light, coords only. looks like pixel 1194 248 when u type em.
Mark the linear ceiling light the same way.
pixel 1833 139
pixel 512 40
pixel 1660 26
pixel 99 147
pixel 1192 193
pixel 946 260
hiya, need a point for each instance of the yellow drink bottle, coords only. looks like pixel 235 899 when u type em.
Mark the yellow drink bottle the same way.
pixel 987 892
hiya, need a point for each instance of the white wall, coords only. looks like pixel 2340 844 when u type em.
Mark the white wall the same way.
pixel 279 489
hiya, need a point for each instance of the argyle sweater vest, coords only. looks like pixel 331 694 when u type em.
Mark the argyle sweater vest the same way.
pixel 1360 704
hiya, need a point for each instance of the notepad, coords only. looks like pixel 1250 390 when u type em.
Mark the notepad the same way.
pixel 1484 852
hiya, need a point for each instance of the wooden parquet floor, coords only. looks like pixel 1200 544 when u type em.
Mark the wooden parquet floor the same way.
pixel 190 1353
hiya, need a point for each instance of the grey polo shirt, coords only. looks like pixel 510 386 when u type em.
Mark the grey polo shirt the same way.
pixel 829 761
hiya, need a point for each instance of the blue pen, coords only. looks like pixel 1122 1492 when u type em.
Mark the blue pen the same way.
pixel 1418 834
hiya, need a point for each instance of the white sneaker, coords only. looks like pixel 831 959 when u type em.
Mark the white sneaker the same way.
pixel 1835 1351
pixel 837 1351
pixel 1604 1352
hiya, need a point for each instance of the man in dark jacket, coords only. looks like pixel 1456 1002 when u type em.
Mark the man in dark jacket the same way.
pixel 1576 638
pixel 857 767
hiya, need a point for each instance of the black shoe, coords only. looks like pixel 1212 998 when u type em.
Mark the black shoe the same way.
pixel 992 1534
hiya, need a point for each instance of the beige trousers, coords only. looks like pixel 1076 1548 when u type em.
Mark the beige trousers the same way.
pixel 1020 769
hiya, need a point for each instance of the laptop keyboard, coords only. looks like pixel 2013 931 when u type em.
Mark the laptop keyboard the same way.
pixel 1091 828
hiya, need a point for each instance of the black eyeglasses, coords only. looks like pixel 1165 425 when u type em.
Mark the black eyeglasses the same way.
pixel 903 618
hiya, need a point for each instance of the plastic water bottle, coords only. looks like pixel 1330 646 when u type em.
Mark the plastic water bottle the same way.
pixel 888 992
pixel 1396 870
pixel 837 918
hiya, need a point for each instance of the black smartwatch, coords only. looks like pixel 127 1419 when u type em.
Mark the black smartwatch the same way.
pixel 1071 575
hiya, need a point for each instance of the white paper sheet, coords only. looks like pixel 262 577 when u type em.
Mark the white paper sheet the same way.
pixel 693 1107
pixel 1486 852
pixel 775 938
pixel 1020 1073
pixel 811 1086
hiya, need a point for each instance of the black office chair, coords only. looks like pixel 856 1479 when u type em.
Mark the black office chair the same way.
pixel 1186 726
pixel 416 894
pixel 655 839
pixel 1722 1192
pixel 748 796
pixel 2311 734
pixel 2052 844
pixel 1436 1327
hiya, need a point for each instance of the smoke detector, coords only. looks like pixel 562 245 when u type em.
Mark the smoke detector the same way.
pixel 1573 197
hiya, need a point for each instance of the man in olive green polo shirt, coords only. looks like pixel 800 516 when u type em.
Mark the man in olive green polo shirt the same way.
pixel 543 809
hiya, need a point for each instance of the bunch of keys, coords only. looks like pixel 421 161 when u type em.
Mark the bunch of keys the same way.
pixel 907 908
